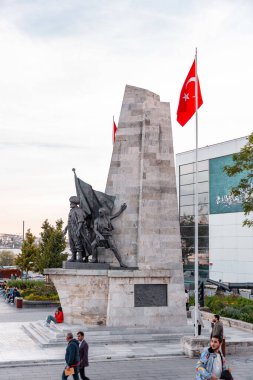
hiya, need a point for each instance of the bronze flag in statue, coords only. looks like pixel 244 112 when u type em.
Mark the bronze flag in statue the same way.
pixel 91 200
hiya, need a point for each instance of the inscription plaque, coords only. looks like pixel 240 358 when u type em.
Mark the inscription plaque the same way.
pixel 148 295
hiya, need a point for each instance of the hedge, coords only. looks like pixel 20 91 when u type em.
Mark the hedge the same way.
pixel 35 290
pixel 231 306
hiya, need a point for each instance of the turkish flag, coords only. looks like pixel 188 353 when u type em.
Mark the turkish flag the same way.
pixel 114 130
pixel 187 105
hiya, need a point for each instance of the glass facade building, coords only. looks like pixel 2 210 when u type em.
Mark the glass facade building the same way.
pixel 187 219
pixel 225 246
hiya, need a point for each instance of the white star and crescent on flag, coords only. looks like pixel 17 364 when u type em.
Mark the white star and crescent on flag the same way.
pixel 187 101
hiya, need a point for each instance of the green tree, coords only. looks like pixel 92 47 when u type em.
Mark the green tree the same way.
pixel 51 247
pixel 29 250
pixel 7 258
pixel 243 162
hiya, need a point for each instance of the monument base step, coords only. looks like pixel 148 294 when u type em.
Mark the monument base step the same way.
pixel 56 335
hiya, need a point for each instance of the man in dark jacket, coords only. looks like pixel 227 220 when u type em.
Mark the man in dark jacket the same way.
pixel 217 329
pixel 83 351
pixel 72 357
pixel 217 326
pixel 15 294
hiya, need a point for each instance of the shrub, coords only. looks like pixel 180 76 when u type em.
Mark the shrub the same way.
pixel 248 309
pixel 22 284
pixel 232 306
pixel 246 318
pixel 231 312
pixel 35 297
pixel 191 300
pixel 35 290
pixel 215 303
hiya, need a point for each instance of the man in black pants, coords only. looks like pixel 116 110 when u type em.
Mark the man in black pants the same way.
pixel 71 357
pixel 83 352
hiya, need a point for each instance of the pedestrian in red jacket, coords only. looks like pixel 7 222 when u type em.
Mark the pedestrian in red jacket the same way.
pixel 58 317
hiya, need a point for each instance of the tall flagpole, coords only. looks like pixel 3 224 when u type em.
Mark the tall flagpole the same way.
pixel 196 203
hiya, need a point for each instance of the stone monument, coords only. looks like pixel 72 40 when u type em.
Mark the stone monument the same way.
pixel 150 292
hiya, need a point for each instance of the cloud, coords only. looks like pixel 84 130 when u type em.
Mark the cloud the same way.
pixel 63 69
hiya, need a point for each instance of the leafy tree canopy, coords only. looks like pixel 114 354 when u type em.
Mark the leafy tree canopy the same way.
pixel 7 258
pixel 52 244
pixel 243 162
pixel 29 250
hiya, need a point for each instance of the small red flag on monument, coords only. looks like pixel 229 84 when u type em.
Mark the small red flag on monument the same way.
pixel 114 130
pixel 187 102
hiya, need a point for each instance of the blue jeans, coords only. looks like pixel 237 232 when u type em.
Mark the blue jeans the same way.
pixel 51 318
pixel 75 376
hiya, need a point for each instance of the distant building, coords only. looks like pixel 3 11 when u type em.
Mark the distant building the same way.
pixel 225 247
pixel 10 241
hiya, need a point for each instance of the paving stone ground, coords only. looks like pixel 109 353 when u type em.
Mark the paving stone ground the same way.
pixel 179 368
pixel 9 313
pixel 13 341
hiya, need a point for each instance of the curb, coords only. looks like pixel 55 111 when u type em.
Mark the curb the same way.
pixel 37 363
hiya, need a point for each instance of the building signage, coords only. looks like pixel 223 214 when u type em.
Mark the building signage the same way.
pixel 221 200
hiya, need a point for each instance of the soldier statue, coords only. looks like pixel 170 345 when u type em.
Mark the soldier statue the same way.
pixel 103 230
pixel 78 232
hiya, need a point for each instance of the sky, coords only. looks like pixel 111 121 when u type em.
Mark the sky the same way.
pixel 63 70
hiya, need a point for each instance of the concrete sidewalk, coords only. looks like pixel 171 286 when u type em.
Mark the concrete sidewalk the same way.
pixel 17 348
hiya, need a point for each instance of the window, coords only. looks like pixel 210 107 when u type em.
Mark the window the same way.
pixel 187 179
pixel 185 169
pixel 189 231
pixel 186 210
pixel 187 218
pixel 190 178
pixel 190 168
pixel 187 200
pixel 203 176
pixel 186 189
pixel 203 187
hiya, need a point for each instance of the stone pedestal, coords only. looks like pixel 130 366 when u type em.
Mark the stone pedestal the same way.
pixel 118 298
pixel 143 298
pixel 83 294
pixel 142 174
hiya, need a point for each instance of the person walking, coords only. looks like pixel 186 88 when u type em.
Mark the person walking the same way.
pixel 212 364
pixel 83 352
pixel 186 300
pixel 218 330
pixel 200 322
pixel 72 358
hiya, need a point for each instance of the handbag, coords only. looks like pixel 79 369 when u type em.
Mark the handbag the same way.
pixel 69 371
pixel 226 375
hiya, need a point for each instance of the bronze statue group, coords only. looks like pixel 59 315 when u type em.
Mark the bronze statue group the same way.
pixel 85 236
